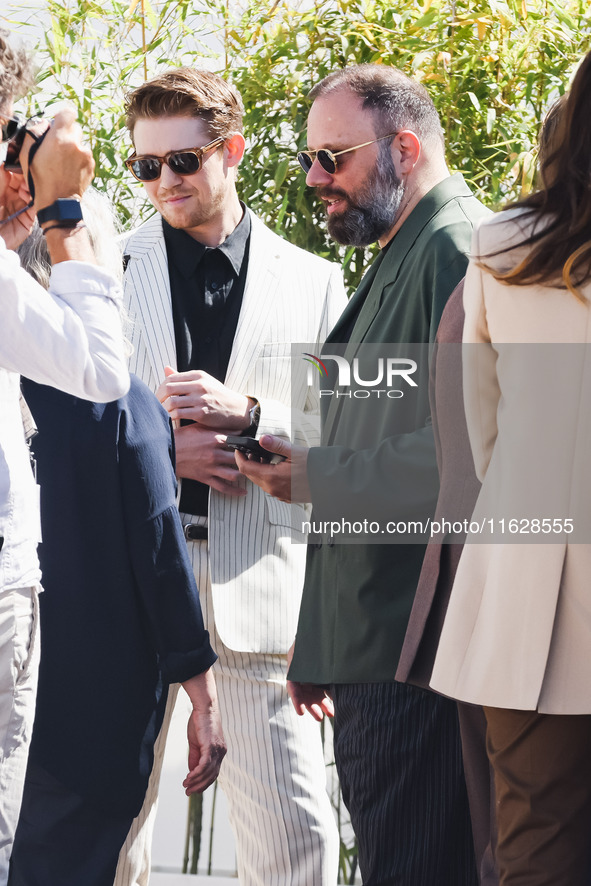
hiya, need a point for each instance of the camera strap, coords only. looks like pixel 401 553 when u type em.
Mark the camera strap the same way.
pixel 37 142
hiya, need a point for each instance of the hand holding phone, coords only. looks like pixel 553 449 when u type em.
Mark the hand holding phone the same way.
pixel 252 449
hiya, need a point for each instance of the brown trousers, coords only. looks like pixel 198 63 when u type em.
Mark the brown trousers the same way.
pixel 481 793
pixel 542 766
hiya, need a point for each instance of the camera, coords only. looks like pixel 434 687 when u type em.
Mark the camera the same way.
pixel 13 133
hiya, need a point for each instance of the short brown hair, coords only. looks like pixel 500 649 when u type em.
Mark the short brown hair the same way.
pixel 16 71
pixel 187 92
pixel 395 100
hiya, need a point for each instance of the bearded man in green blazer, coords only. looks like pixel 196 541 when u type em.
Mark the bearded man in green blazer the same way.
pixel 376 157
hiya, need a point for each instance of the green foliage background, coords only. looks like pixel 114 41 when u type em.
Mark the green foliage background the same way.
pixel 492 68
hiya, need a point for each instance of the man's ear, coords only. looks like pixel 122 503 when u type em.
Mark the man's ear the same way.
pixel 234 149
pixel 406 150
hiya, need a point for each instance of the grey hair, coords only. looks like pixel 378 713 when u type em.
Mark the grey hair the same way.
pixel 101 226
pixel 16 70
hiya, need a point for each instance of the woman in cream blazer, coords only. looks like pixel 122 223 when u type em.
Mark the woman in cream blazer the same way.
pixel 517 634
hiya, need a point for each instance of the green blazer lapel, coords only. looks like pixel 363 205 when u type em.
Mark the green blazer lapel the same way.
pixel 354 306
pixel 388 269
pixel 367 300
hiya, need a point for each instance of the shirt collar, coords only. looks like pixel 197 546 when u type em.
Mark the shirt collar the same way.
pixel 186 252
pixel 234 246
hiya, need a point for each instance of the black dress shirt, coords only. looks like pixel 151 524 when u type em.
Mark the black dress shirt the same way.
pixel 206 286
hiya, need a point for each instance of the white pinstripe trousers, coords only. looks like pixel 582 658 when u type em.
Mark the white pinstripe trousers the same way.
pixel 273 774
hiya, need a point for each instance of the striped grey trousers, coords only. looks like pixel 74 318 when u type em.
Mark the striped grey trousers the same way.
pixel 273 774
pixel 398 755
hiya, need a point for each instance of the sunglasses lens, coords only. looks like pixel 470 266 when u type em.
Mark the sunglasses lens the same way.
pixel 9 128
pixel 146 170
pixel 12 154
pixel 327 161
pixel 305 161
pixel 184 163
pixel 15 132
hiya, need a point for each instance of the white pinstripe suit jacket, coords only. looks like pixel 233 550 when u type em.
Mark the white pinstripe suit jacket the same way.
pixel 290 296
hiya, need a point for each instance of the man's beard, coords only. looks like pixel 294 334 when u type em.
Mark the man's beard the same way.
pixel 372 211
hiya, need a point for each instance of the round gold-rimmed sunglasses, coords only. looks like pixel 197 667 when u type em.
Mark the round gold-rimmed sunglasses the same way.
pixel 328 159
pixel 148 167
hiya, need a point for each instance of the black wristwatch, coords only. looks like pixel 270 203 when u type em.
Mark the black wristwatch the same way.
pixel 254 416
pixel 68 212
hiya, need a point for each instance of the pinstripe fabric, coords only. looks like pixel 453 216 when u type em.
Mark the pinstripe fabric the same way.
pixel 397 751
pixel 290 296
pixel 133 867
pixel 273 774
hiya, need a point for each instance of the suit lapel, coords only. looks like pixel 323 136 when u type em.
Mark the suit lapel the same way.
pixel 384 271
pixel 389 263
pixel 360 311
pixel 149 293
pixel 260 291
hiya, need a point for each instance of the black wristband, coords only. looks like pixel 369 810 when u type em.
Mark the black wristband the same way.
pixel 64 226
pixel 68 212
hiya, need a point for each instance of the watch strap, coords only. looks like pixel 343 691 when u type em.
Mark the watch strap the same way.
pixel 254 418
pixel 66 211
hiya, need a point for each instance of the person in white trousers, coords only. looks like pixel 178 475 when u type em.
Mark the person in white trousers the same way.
pixel 69 337
pixel 216 299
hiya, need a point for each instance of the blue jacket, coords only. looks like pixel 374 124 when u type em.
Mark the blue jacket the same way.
pixel 120 615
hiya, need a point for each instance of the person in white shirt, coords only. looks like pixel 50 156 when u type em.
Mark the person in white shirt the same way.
pixel 69 338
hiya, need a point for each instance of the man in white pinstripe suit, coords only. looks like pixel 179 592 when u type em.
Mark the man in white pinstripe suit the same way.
pixel 215 294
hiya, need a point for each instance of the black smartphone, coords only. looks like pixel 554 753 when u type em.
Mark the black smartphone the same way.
pixel 250 446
